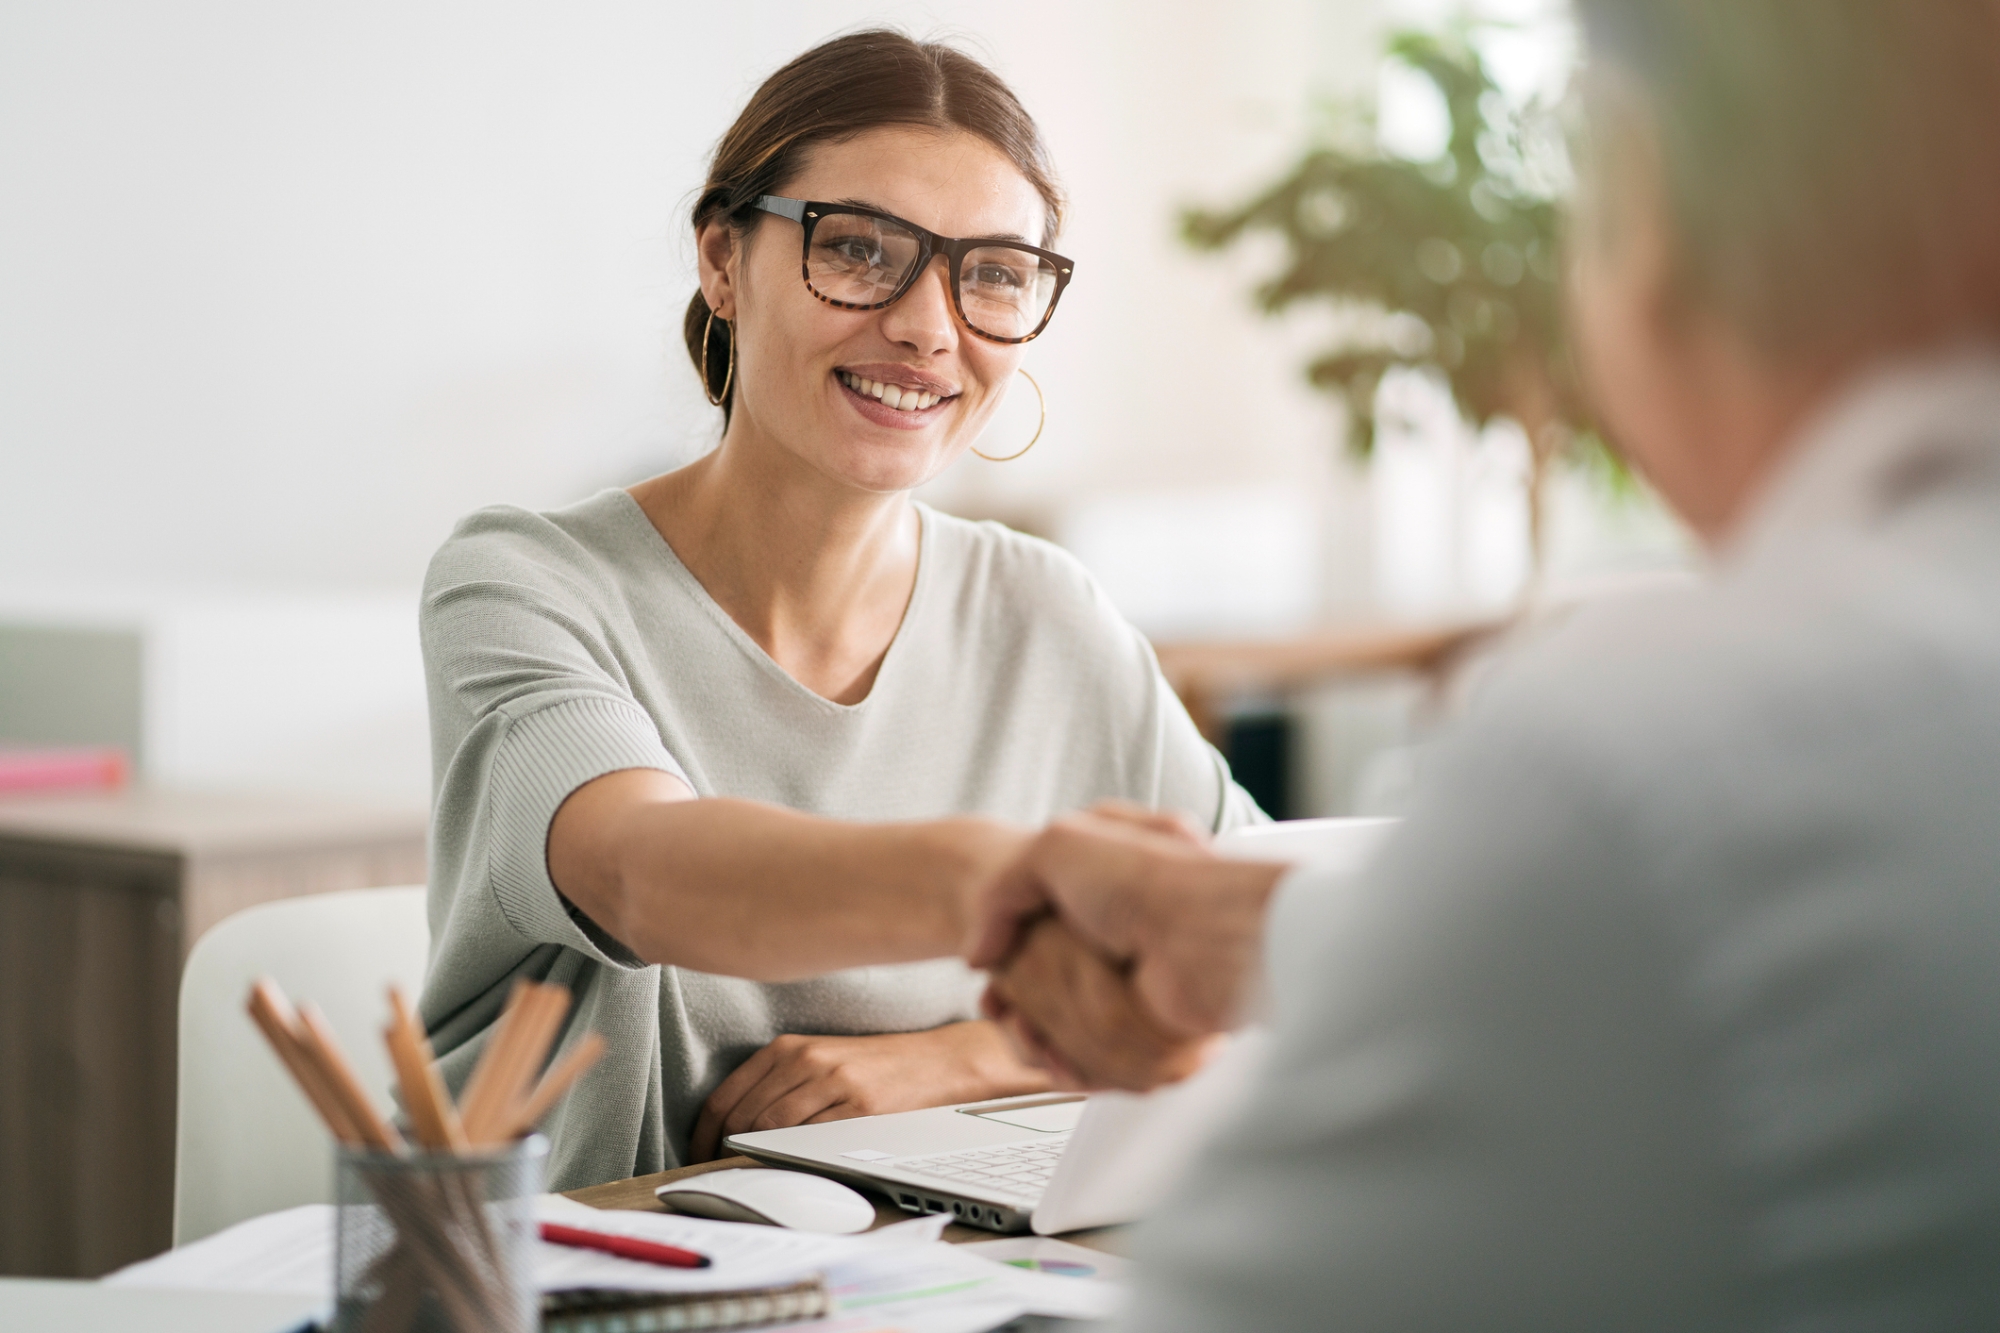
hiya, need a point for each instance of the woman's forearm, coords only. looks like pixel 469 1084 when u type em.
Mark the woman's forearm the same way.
pixel 751 890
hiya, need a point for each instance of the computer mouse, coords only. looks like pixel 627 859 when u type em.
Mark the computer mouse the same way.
pixel 774 1198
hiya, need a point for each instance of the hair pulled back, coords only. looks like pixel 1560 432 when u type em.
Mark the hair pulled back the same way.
pixel 841 88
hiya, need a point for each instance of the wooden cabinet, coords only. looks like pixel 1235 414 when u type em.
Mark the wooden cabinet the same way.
pixel 101 897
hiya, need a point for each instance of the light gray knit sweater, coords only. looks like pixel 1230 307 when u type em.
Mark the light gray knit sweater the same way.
pixel 566 645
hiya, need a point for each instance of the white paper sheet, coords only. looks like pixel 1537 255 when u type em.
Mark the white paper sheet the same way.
pixel 740 1255
pixel 292 1251
pixel 67 1305
pixel 946 1289
pixel 900 1276
pixel 289 1252
pixel 1046 1254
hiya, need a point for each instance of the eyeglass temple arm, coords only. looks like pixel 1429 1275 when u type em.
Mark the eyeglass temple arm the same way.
pixel 795 209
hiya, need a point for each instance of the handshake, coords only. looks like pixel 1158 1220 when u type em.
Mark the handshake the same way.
pixel 1119 945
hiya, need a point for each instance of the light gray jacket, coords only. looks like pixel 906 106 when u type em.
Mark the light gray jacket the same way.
pixel 1675 1004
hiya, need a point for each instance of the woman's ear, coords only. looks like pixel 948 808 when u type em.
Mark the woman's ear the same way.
pixel 716 252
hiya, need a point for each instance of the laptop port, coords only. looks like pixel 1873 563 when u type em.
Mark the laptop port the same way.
pixel 909 1201
pixel 934 1205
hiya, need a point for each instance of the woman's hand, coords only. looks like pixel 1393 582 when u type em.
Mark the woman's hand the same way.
pixel 803 1080
pixel 1186 926
pixel 1073 1013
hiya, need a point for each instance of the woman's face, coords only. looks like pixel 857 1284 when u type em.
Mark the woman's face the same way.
pixel 798 359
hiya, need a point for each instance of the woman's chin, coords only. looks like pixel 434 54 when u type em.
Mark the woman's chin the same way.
pixel 872 465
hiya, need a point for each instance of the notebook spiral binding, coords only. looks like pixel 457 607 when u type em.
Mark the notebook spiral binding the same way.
pixel 593 1311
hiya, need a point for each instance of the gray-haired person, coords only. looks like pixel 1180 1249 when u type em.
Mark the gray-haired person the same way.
pixel 1675 1003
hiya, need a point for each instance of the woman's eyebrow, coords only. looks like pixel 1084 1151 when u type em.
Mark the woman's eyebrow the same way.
pixel 852 202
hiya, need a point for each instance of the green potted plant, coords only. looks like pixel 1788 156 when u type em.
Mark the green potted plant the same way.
pixel 1448 265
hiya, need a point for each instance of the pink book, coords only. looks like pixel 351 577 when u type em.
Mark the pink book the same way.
pixel 59 769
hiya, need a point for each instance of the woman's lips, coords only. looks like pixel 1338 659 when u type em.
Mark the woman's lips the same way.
pixel 911 408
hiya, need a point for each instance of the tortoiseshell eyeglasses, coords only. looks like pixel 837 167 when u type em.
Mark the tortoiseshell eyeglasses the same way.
pixel 861 259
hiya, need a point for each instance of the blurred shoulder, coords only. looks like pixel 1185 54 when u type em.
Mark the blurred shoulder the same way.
pixel 1596 658
pixel 1744 682
pixel 1637 674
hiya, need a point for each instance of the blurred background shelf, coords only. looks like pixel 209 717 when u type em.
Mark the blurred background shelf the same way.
pixel 101 897
pixel 1207 673
pixel 1284 709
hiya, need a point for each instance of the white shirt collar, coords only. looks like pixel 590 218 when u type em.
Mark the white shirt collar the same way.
pixel 1859 453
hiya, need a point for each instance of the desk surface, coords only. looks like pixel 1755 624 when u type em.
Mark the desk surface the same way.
pixel 636 1195
pixel 176 822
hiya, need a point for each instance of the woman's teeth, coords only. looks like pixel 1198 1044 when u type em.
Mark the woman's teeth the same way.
pixel 903 400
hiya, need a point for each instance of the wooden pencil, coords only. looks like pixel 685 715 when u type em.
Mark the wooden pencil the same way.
pixel 274 1016
pixel 431 1111
pixel 517 1061
pixel 480 1089
pixel 324 1048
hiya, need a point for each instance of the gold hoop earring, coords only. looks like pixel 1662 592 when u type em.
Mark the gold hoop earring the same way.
pixel 1044 402
pixel 717 399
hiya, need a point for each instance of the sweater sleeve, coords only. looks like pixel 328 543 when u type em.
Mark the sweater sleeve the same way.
pixel 528 703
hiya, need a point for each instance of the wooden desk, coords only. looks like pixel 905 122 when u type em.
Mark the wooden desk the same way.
pixel 636 1195
pixel 101 897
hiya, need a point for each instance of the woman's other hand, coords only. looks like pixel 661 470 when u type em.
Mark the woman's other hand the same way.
pixel 799 1080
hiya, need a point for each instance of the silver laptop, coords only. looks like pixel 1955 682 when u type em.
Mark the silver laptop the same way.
pixel 1057 1162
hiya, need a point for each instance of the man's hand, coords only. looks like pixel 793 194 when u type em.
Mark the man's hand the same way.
pixel 1151 898
pixel 1072 1013
pixel 800 1080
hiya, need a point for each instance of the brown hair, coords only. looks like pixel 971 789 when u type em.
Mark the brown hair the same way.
pixel 1829 164
pixel 859 82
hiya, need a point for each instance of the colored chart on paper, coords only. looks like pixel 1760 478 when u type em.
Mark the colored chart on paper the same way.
pixel 1046 1255
pixel 1058 1267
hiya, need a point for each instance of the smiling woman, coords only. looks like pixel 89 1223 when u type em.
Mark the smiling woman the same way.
pixel 728 752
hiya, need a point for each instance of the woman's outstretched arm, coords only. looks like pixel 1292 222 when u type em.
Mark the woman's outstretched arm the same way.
pixel 745 889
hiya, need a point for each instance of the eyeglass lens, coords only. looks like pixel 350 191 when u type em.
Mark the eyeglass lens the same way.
pixel 858 260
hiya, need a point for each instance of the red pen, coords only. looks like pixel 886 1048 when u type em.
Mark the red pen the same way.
pixel 625 1247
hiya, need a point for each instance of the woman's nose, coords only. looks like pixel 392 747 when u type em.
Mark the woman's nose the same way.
pixel 922 320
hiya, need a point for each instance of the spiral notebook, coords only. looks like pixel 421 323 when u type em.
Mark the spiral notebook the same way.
pixel 596 1311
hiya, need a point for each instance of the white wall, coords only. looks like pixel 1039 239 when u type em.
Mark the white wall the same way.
pixel 301 691
pixel 286 289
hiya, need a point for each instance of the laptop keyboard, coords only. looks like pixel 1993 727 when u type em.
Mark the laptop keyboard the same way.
pixel 1018 1169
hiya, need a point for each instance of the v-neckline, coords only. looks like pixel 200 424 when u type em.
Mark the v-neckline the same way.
pixel 678 569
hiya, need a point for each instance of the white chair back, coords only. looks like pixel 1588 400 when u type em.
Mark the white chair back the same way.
pixel 247 1141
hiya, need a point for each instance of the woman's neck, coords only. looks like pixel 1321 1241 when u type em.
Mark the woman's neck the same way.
pixel 819 574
